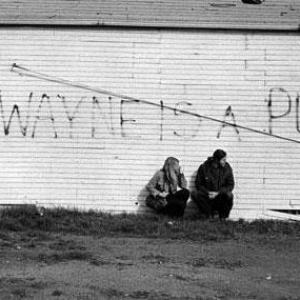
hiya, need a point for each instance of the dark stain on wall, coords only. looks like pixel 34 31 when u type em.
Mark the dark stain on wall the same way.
pixel 253 1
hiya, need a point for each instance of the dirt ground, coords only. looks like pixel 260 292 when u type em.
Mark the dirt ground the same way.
pixel 37 266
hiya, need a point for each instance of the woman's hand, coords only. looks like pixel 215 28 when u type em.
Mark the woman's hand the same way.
pixel 163 194
pixel 180 170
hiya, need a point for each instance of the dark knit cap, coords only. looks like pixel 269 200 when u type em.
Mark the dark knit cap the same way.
pixel 219 154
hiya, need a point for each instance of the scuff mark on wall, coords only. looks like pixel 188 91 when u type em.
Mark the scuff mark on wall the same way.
pixel 222 5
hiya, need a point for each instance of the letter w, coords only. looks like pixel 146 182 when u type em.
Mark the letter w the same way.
pixel 15 109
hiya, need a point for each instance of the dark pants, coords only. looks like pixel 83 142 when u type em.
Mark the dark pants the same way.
pixel 174 204
pixel 222 204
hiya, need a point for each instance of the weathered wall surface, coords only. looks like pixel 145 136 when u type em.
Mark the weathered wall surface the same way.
pixel 247 14
pixel 95 113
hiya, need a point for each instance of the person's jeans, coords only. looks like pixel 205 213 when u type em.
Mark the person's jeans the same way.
pixel 222 204
pixel 173 205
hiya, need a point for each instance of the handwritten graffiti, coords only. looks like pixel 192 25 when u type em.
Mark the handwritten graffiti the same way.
pixel 7 125
pixel 126 102
pixel 281 101
pixel 230 114
pixel 186 131
pixel 50 116
pixel 107 120
pixel 70 116
pixel 123 121
pixel 45 113
pixel 297 114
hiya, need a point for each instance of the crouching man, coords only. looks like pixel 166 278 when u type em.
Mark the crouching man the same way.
pixel 214 185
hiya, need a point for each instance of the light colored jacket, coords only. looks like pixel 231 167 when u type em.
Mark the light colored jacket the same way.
pixel 159 183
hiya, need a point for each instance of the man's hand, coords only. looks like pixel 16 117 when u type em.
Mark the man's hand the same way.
pixel 212 195
pixel 163 194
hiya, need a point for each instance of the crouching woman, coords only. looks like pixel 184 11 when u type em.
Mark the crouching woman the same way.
pixel 167 188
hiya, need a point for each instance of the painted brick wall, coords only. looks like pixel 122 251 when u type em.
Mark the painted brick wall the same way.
pixel 96 112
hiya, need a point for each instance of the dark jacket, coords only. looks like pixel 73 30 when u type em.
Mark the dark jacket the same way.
pixel 213 177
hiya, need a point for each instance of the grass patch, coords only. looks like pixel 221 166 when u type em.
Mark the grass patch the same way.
pixel 19 288
pixel 57 293
pixel 62 245
pixel 28 219
pixel 56 257
pixel 217 263
pixel 19 293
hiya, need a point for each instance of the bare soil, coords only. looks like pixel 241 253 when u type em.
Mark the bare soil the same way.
pixel 65 266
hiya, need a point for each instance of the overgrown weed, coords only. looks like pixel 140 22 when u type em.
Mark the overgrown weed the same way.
pixel 28 219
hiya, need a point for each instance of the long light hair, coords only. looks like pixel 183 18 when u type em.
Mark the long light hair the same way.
pixel 170 169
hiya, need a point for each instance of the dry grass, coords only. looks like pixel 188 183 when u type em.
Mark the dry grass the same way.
pixel 28 218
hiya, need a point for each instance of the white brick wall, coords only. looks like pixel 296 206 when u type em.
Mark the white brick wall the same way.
pixel 79 152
